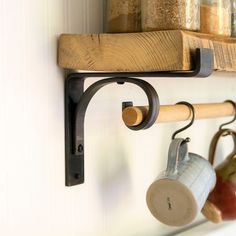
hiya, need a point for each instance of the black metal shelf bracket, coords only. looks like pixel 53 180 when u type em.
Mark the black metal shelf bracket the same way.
pixel 77 100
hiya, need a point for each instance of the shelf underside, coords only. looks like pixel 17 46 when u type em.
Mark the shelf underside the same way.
pixel 138 52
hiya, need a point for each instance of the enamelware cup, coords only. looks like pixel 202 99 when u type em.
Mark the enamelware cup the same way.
pixel 179 193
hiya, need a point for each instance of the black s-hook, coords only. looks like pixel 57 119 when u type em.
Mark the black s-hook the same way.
pixel 234 118
pixel 189 105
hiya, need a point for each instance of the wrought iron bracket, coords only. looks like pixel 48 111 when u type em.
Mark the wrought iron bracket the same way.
pixel 77 100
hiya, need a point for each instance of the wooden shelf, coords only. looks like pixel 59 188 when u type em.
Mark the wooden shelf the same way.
pixel 138 52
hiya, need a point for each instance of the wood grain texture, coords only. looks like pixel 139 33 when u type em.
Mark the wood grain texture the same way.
pixel 211 212
pixel 147 51
pixel 171 113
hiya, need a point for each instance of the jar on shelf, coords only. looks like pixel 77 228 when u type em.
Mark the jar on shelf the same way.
pixel 170 15
pixel 122 16
pixel 216 17
pixel 233 24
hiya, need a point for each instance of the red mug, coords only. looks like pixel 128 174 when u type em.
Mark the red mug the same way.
pixel 221 203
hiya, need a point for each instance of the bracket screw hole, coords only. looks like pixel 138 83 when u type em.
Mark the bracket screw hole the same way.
pixel 77 176
pixel 80 148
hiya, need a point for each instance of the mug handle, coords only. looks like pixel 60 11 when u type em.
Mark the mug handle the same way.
pixel 215 140
pixel 178 151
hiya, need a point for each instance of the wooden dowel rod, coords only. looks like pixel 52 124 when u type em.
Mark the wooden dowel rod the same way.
pixel 172 113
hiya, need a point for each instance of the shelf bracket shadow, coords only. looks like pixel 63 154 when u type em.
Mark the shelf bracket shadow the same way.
pixel 77 100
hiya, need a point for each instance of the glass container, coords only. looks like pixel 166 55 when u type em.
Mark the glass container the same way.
pixel 216 17
pixel 170 15
pixel 233 23
pixel 122 16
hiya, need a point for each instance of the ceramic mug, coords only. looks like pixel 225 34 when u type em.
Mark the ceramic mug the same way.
pixel 179 193
pixel 221 203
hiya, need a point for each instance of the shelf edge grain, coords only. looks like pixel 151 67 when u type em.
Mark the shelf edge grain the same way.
pixel 138 52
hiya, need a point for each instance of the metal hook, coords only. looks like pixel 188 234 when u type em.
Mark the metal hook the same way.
pixel 191 122
pixel 231 121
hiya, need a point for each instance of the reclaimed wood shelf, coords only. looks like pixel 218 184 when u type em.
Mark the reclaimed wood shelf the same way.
pixel 139 52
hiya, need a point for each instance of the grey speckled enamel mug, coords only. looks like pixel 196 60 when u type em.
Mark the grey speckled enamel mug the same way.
pixel 179 193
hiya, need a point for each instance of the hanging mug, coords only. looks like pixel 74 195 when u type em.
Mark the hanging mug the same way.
pixel 221 203
pixel 179 193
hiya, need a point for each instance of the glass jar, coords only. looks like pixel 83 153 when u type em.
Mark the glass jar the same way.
pixel 170 15
pixel 216 17
pixel 122 16
pixel 233 25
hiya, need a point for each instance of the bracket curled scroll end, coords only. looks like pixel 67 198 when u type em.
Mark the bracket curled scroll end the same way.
pixel 153 103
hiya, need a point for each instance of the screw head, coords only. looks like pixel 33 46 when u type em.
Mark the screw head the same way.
pixel 77 176
pixel 80 148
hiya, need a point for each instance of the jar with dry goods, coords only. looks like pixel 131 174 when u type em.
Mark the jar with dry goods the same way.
pixel 170 15
pixel 233 24
pixel 122 16
pixel 216 17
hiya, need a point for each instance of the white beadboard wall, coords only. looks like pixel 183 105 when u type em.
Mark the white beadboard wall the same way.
pixel 120 164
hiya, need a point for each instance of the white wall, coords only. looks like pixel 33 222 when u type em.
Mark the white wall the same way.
pixel 120 164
